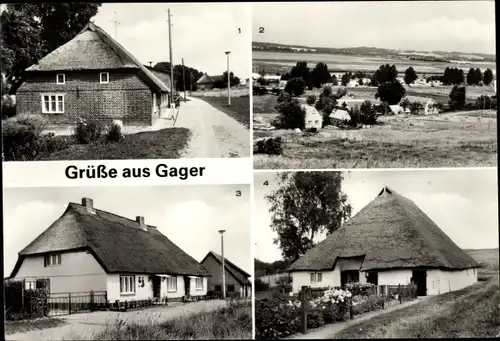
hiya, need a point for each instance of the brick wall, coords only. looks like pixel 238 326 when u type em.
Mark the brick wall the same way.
pixel 125 97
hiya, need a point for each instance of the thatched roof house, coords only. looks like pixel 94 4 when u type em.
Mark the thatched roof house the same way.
pixel 93 76
pixel 90 249
pixel 389 242
pixel 208 82
pixel 237 279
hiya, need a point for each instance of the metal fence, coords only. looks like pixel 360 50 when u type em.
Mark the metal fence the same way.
pixel 70 303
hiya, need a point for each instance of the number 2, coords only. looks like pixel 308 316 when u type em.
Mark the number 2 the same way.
pixel 261 29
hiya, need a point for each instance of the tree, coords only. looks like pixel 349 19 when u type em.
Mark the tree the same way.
pixel 359 75
pixel 385 73
pixel 326 103
pixel 457 97
pixel 405 103
pixel 305 205
pixel 295 86
pixel 390 92
pixel 320 75
pixel 232 78
pixel 311 99
pixel 474 76
pixel 300 70
pixel 335 81
pixel 346 77
pixel 487 77
pixel 410 75
pixel 191 75
pixel 292 115
pixel 453 76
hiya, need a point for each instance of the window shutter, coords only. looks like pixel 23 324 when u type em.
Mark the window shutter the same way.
pixel 59 259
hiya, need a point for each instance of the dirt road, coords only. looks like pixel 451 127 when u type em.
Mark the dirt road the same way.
pixel 214 134
pixel 82 326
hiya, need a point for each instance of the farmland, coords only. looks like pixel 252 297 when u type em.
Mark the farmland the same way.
pixel 272 62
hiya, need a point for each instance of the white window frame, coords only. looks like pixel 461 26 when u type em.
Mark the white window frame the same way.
pixel 51 109
pixel 107 77
pixel 199 280
pixel 312 277
pixel 29 284
pixel 52 259
pixel 127 285
pixel 319 277
pixel 172 284
pixel 64 78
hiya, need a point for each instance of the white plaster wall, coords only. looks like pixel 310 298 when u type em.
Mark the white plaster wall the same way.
pixel 301 278
pixel 141 293
pixel 196 292
pixel 180 288
pixel 394 277
pixel 78 272
pixel 456 280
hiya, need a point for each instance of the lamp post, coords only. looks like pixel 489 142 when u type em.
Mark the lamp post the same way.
pixel 228 80
pixel 223 267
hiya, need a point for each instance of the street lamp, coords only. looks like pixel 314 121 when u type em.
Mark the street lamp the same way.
pixel 228 80
pixel 223 267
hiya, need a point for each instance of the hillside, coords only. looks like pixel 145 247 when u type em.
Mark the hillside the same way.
pixel 488 257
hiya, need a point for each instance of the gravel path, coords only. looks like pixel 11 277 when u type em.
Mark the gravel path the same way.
pixel 82 326
pixel 214 134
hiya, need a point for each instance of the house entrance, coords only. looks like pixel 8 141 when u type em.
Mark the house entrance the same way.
pixel 419 277
pixel 156 286
pixel 348 276
pixel 372 277
pixel 187 285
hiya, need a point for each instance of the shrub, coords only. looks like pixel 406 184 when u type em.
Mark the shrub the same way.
pixel 363 304
pixel 271 146
pixel 275 319
pixel 311 99
pixel 295 86
pixel 114 133
pixel 87 132
pixel 260 285
pixel 284 97
pixel 362 289
pixel 326 103
pixel 292 115
pixel 457 97
pixel 368 114
pixel 8 107
pixel 315 320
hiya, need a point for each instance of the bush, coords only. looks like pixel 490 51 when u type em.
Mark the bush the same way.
pixel 361 289
pixel 292 115
pixel 114 133
pixel 8 107
pixel 311 99
pixel 275 319
pixel 87 132
pixel 270 146
pixel 284 97
pixel 295 86
pixel 260 285
pixel 315 320
pixel 364 304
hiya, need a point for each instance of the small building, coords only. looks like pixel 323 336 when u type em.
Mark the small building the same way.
pixel 93 77
pixel 429 105
pixel 237 280
pixel 340 115
pixel 396 109
pixel 88 249
pixel 313 118
pixel 389 242
pixel 207 82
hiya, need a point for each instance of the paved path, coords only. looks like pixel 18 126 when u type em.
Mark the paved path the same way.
pixel 329 331
pixel 214 134
pixel 84 325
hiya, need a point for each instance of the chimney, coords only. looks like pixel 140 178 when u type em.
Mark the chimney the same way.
pixel 140 221
pixel 88 204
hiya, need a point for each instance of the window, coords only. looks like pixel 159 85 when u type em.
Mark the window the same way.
pixel 199 283
pixel 127 285
pixel 60 78
pixel 313 277
pixel 230 288
pixel 319 277
pixel 104 77
pixel 218 288
pixel 52 104
pixel 317 121
pixel 52 260
pixel 172 284
pixel 29 285
pixel 43 283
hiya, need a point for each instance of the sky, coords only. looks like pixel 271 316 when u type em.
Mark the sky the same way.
pixel 201 33
pixel 464 26
pixel 190 216
pixel 463 203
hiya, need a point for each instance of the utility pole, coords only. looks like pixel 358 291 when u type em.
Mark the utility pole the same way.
pixel 116 22
pixel 228 80
pixel 183 80
pixel 171 62
pixel 223 266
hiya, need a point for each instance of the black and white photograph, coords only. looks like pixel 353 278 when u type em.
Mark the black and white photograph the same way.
pixel 94 81
pixel 376 254
pixel 374 84
pixel 127 263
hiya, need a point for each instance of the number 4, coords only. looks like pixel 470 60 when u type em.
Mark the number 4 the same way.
pixel 266 183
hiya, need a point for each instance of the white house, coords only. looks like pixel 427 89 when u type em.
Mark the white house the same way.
pixel 396 109
pixel 340 115
pixel 313 117
pixel 87 249
pixel 389 242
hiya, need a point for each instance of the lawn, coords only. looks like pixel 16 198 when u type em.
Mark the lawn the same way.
pixel 161 144
pixel 447 140
pixel 23 326
pixel 470 312
pixel 231 322
pixel 239 109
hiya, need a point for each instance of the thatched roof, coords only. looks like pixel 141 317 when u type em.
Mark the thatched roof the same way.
pixel 119 244
pixel 206 79
pixel 390 232
pixel 94 49
pixel 237 272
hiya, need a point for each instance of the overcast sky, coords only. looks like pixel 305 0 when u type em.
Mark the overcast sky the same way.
pixel 463 203
pixel 201 33
pixel 190 216
pixel 465 26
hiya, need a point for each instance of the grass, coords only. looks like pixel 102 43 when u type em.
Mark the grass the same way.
pixel 470 312
pixel 23 326
pixel 394 143
pixel 162 144
pixel 231 322
pixel 489 259
pixel 239 109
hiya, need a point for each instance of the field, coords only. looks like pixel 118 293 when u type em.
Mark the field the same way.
pixel 489 258
pixel 470 312
pixel 272 62
pixel 239 109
